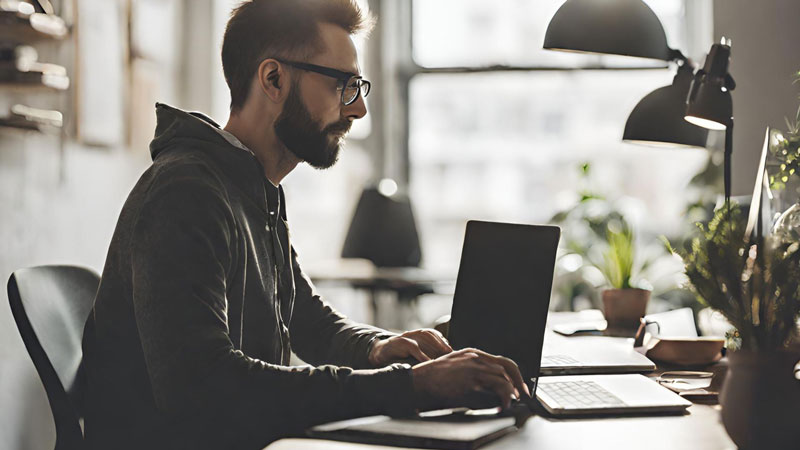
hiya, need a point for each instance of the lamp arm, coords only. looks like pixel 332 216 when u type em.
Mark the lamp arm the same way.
pixel 676 55
pixel 698 77
pixel 728 157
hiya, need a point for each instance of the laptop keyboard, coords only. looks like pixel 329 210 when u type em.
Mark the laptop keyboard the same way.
pixel 580 395
pixel 558 360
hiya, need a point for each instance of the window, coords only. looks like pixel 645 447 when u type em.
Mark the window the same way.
pixel 506 144
pixel 470 33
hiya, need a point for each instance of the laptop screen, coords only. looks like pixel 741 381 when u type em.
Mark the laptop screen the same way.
pixel 503 291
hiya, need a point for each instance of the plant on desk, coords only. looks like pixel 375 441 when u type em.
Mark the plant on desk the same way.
pixel 623 304
pixel 757 288
pixel 783 167
pixel 598 249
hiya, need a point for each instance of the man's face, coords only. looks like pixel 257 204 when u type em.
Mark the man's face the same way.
pixel 314 143
pixel 314 121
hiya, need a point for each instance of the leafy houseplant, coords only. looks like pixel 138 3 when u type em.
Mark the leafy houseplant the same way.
pixel 617 265
pixel 623 304
pixel 595 239
pixel 785 154
pixel 757 288
pixel 783 166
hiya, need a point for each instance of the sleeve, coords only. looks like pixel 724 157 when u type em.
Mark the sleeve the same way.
pixel 180 253
pixel 320 334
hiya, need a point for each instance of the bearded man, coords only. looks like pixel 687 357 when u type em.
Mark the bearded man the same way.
pixel 202 297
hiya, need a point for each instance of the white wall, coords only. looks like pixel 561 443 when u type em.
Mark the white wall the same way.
pixel 56 210
pixel 765 53
pixel 47 221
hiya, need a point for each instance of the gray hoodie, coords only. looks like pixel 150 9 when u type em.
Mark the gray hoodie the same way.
pixel 201 301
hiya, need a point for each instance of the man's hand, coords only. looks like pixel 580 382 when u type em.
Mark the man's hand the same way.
pixel 422 345
pixel 450 379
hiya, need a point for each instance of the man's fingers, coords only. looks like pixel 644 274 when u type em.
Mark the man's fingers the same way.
pixel 494 369
pixel 516 376
pixel 435 345
pixel 510 367
pixel 500 371
pixel 440 337
pixel 497 384
pixel 413 350
pixel 430 342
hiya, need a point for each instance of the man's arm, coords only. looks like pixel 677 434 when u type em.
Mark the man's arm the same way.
pixel 181 255
pixel 321 335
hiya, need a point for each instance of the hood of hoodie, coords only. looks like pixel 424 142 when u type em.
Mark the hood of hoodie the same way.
pixel 178 130
pixel 174 125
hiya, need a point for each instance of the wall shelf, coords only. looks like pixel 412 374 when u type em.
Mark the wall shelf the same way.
pixel 27 118
pixel 39 27
pixel 20 24
pixel 32 81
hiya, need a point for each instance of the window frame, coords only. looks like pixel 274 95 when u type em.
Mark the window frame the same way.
pixel 395 68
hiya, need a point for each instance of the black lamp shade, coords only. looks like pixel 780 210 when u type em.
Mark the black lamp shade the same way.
pixel 710 106
pixel 658 119
pixel 618 27
pixel 709 103
pixel 383 231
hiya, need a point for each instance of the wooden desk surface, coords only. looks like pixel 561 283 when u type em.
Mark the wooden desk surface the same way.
pixel 364 272
pixel 700 429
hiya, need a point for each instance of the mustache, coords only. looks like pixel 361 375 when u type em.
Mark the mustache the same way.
pixel 342 126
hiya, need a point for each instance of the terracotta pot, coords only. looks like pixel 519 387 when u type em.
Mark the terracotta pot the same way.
pixel 760 399
pixel 624 307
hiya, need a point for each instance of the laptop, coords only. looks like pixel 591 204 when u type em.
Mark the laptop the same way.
pixel 450 431
pixel 500 306
pixel 579 355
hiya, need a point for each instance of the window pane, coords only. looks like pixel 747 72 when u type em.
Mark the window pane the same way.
pixel 362 127
pixel 507 146
pixel 456 33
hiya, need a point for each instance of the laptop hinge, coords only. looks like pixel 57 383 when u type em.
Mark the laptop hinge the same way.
pixel 534 384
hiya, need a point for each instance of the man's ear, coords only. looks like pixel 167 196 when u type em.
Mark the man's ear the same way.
pixel 272 79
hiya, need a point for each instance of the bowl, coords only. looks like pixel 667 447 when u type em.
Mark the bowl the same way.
pixel 695 351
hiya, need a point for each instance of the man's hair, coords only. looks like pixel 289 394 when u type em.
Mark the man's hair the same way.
pixel 260 29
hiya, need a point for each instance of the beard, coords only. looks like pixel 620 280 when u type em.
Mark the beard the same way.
pixel 304 137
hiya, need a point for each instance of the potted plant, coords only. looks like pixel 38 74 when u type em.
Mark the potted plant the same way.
pixel 623 304
pixel 756 286
pixel 783 165
pixel 596 241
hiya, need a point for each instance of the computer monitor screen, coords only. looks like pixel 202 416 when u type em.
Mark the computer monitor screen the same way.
pixel 758 215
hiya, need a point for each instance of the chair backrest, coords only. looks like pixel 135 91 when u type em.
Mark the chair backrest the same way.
pixel 50 305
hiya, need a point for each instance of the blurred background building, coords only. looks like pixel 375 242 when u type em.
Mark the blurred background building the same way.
pixel 468 115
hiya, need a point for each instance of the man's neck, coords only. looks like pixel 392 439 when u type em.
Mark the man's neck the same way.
pixel 274 157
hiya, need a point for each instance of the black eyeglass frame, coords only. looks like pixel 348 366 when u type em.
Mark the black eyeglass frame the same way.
pixel 343 77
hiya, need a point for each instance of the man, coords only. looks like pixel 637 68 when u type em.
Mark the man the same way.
pixel 202 297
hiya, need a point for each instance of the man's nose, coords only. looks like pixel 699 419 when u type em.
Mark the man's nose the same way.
pixel 357 109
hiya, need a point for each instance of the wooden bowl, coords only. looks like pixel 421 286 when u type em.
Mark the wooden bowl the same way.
pixel 698 351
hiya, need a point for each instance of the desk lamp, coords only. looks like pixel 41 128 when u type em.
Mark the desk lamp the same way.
pixel 631 28
pixel 659 118
pixel 709 104
pixel 618 27
pixel 383 229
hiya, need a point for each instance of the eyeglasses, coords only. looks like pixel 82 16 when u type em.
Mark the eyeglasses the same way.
pixel 349 83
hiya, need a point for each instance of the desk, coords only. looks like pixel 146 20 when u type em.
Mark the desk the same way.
pixel 406 283
pixel 700 429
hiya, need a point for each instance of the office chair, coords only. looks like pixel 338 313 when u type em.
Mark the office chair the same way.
pixel 50 305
